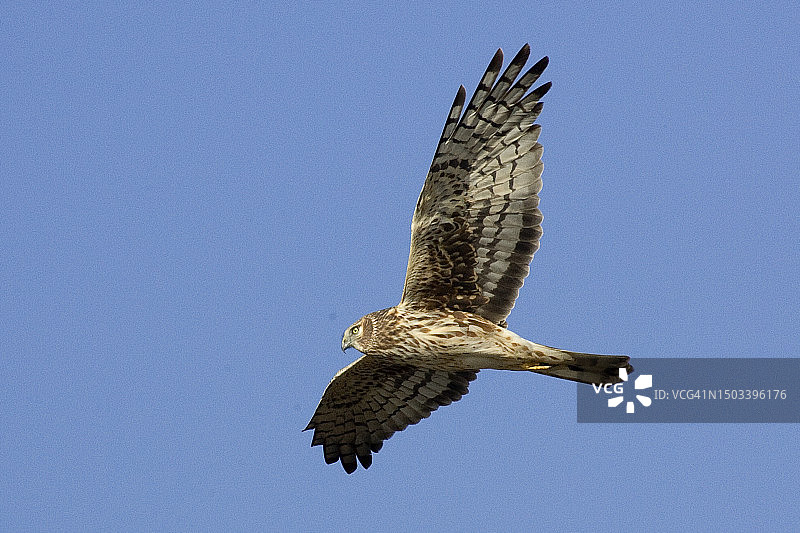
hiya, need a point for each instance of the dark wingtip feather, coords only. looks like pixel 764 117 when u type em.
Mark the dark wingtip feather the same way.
pixel 541 91
pixel 365 460
pixel 497 61
pixel 461 95
pixel 541 64
pixel 522 55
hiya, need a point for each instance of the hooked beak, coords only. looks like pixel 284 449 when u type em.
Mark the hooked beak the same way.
pixel 345 343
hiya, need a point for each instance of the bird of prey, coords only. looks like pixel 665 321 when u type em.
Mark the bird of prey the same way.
pixel 475 229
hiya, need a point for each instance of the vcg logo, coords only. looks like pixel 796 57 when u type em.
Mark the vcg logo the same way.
pixel 645 381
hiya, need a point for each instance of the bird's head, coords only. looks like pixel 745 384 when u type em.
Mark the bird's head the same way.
pixel 358 335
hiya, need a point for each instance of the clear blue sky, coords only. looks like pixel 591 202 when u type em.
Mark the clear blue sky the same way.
pixel 195 202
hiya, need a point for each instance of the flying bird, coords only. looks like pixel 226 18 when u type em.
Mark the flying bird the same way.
pixel 475 229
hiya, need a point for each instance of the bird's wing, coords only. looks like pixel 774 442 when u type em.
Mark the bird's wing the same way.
pixel 367 401
pixel 477 223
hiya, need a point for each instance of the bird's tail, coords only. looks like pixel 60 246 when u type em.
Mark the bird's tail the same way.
pixel 582 367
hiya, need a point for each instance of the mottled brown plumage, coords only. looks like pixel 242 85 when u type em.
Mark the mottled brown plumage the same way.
pixel 475 229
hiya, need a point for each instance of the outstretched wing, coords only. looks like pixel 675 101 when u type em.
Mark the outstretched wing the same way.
pixel 367 401
pixel 477 223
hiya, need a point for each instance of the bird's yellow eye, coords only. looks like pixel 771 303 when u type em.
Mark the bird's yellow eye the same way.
pixel 354 330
